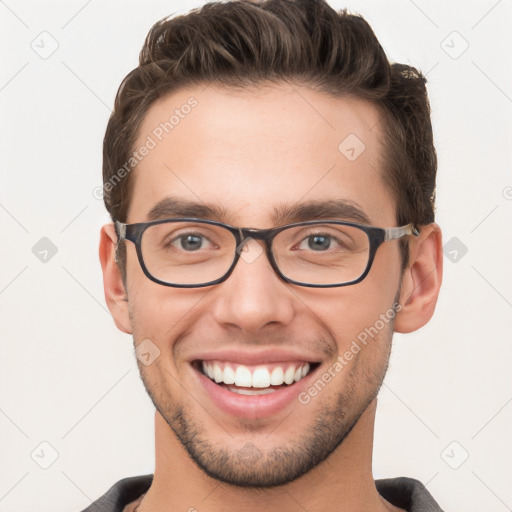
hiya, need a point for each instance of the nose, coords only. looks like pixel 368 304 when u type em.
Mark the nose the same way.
pixel 253 296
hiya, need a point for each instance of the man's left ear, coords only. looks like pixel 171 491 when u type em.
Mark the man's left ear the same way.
pixel 421 280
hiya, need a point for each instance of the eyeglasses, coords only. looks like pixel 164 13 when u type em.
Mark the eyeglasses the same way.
pixel 192 253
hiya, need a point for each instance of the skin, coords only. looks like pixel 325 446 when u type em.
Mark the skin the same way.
pixel 249 151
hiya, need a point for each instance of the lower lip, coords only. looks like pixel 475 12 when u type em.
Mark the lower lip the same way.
pixel 253 406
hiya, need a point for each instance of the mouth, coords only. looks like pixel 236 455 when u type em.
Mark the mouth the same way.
pixel 255 380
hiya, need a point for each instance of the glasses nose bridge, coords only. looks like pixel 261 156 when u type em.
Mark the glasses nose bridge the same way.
pixel 257 234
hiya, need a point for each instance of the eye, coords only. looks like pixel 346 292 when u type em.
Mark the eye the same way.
pixel 320 242
pixel 189 242
pixel 317 242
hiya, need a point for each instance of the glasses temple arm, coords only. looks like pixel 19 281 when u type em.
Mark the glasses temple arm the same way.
pixel 120 229
pixel 393 233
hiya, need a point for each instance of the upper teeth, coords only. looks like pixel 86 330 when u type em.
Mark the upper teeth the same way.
pixel 256 377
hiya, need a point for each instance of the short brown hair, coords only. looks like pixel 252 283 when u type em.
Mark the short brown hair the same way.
pixel 240 44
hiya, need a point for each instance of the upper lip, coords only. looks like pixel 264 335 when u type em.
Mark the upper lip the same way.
pixel 236 355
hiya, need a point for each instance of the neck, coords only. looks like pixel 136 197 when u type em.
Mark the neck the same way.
pixel 345 477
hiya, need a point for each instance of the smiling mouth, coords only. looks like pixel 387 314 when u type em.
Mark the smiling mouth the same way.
pixel 254 380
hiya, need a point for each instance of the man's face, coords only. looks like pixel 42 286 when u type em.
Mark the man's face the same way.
pixel 251 153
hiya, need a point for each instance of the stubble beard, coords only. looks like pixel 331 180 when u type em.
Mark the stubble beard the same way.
pixel 250 467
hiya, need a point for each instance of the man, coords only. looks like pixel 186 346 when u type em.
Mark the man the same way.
pixel 263 349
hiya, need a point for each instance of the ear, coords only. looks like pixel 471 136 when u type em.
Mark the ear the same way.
pixel 421 280
pixel 115 293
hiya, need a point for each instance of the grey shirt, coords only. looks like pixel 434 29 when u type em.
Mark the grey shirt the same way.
pixel 403 492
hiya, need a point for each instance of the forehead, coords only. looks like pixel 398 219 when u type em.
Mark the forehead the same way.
pixel 254 152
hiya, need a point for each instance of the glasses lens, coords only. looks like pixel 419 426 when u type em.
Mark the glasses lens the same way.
pixel 187 252
pixel 322 253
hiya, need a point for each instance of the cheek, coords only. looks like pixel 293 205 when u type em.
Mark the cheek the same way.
pixel 163 314
pixel 349 310
pixel 357 317
pixel 375 295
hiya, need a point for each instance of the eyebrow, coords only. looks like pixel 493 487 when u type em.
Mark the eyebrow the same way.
pixel 339 209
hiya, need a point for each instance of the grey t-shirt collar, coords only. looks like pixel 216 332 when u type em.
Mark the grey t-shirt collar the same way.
pixel 407 493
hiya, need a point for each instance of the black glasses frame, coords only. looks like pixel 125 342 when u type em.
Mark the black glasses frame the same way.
pixel 377 236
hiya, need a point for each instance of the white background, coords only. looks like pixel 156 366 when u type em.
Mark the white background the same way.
pixel 69 378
